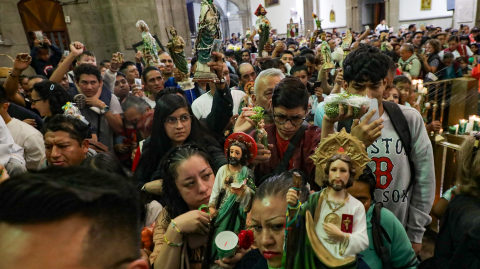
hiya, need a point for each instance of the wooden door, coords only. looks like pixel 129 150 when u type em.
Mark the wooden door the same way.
pixel 45 15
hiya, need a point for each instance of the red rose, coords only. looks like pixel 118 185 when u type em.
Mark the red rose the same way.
pixel 245 239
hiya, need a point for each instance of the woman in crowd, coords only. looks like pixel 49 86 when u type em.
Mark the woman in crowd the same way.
pixel 268 222
pixel 392 94
pixel 465 40
pixel 391 232
pixel 458 241
pixel 48 98
pixel 174 125
pixel 181 229
pixel 431 60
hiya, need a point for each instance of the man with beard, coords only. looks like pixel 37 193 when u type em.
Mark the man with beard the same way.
pixel 334 219
pixel 234 187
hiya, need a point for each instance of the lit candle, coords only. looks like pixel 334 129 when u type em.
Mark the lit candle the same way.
pixel 441 131
pixel 462 126
pixel 420 87
pixel 471 119
pixel 414 82
pixel 456 128
pixel 469 127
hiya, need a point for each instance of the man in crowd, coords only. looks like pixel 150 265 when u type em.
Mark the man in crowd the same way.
pixel 66 141
pixel 417 39
pixel 409 61
pixel 121 90
pixel 23 134
pixel 153 82
pixel 287 58
pixel 168 69
pixel 246 57
pixel 246 73
pixel 263 90
pixel 134 108
pixel 129 69
pixel 405 182
pixel 69 218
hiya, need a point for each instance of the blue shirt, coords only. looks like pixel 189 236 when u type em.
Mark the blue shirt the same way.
pixel 319 114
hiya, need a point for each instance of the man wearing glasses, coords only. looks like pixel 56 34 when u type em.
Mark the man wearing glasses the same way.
pixel 291 140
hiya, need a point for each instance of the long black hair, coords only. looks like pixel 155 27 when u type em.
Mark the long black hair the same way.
pixel 159 143
pixel 107 163
pixel 56 95
pixel 173 201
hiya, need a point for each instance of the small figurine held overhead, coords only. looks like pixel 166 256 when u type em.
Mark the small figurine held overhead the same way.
pixel 260 132
pixel 326 55
pixel 263 27
pixel 150 50
pixel 236 181
pixel 208 35
pixel 175 47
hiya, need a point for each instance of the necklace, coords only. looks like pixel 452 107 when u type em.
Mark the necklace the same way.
pixel 334 206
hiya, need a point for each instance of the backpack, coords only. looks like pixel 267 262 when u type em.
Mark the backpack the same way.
pixel 401 127
pixel 378 234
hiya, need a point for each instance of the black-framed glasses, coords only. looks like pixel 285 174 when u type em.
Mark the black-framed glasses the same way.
pixel 282 119
pixel 34 101
pixel 173 122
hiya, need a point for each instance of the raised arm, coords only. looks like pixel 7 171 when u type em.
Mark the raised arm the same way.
pixel 76 49
pixel 21 62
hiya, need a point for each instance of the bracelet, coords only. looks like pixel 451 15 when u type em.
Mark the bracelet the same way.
pixel 174 225
pixel 170 243
pixel 10 73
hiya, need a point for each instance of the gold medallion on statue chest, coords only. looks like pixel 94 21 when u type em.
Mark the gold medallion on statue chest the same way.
pixel 332 218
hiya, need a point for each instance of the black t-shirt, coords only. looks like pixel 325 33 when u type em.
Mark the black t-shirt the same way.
pixel 252 260
pixel 21 113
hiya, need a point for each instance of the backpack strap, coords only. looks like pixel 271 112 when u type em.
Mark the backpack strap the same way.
pixel 347 124
pixel 382 251
pixel 400 125
pixel 294 142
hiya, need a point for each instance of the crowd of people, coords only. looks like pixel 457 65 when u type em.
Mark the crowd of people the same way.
pixel 140 152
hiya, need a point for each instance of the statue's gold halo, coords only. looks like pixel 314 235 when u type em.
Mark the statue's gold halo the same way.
pixel 330 145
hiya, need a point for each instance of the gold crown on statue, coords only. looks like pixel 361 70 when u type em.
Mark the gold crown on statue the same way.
pixel 339 143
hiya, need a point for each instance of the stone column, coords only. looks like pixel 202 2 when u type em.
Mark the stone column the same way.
pixel 392 14
pixel 307 17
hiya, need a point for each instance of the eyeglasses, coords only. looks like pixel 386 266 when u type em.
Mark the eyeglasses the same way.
pixel 282 119
pixel 35 101
pixel 173 122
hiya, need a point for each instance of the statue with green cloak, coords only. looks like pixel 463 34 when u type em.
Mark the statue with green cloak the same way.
pixel 175 47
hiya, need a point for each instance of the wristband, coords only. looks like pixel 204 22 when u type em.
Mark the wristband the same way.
pixel 174 225
pixel 170 243
pixel 10 73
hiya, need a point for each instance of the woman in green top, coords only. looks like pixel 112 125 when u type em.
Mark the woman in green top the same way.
pixel 393 235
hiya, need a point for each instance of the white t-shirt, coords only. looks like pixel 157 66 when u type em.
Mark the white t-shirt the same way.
pixel 30 139
pixel 115 106
pixel 456 54
pixel 381 28
pixel 8 148
pixel 203 105
pixel 150 102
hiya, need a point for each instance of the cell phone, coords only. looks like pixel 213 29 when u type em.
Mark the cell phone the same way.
pixel 317 84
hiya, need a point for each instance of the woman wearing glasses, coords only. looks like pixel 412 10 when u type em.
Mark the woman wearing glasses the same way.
pixel 174 125
pixel 48 98
pixel 290 104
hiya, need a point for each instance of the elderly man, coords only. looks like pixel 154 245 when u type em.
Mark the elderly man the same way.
pixel 408 61
pixel 66 141
pixel 263 89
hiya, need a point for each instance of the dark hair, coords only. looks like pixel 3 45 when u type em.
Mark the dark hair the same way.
pixel 245 152
pixel 56 95
pixel 465 37
pixel 424 40
pixel 310 58
pixel 3 95
pixel 37 76
pixel 286 52
pixel 171 90
pixel 290 93
pixel 346 159
pixel 270 63
pixel 174 204
pixel 85 53
pixel 125 65
pixel 368 178
pixel 105 162
pixel 192 62
pixel 76 128
pixel 305 52
pixel 401 79
pixel 245 50
pixel 87 69
pixel 299 61
pixel 120 74
pixel 160 143
pixel 461 59
pixel 56 193
pixel 298 68
pixel 278 186
pixel 102 63
pixel 453 38
pixel 366 63
pixel 148 70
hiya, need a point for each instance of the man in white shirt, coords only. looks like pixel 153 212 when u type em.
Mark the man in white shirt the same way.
pixel 381 27
pixel 23 134
pixel 203 105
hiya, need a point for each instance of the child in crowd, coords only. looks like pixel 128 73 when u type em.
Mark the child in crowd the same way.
pixel 466 69
pixel 42 59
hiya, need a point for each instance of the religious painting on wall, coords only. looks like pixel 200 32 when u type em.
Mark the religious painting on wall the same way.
pixel 426 5
pixel 269 3
pixel 332 15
